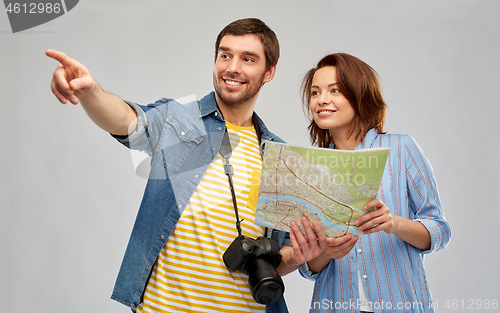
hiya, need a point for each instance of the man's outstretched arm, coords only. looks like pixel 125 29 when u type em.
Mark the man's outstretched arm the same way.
pixel 72 82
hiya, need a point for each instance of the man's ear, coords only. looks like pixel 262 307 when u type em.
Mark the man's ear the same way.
pixel 269 74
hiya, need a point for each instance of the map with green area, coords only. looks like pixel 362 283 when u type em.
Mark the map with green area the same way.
pixel 326 185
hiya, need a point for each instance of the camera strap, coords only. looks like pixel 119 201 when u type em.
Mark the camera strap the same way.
pixel 225 151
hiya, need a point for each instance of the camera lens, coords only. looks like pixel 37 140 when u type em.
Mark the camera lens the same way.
pixel 264 281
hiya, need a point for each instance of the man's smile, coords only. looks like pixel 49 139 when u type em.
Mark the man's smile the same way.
pixel 232 83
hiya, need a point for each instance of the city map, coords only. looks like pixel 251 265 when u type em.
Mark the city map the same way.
pixel 326 185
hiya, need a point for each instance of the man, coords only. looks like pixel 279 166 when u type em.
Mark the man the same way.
pixel 174 259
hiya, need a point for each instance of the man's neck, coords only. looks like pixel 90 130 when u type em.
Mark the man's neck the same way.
pixel 239 115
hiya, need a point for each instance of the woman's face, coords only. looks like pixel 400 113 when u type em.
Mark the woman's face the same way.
pixel 329 107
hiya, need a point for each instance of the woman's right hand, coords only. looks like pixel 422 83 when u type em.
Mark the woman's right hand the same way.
pixel 338 247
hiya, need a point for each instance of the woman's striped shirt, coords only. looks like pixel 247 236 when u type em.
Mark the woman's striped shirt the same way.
pixel 392 271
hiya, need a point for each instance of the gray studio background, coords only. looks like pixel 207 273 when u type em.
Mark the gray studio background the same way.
pixel 69 193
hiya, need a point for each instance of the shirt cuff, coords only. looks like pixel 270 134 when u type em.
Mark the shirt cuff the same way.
pixel 286 242
pixel 307 273
pixel 434 232
pixel 139 131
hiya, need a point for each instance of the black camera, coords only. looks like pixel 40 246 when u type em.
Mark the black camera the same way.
pixel 257 258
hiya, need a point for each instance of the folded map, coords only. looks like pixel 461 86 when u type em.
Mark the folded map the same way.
pixel 326 185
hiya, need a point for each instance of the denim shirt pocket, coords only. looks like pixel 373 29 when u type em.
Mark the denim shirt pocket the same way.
pixel 177 142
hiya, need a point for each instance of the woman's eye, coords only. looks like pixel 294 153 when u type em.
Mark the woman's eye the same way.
pixel 314 93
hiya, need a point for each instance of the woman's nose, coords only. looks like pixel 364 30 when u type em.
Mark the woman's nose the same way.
pixel 324 98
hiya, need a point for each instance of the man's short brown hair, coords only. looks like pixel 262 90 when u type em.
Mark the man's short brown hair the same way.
pixel 259 28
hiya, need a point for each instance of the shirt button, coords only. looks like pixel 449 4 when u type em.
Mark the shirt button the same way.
pixel 183 133
pixel 147 267
pixel 162 237
pixel 220 128
pixel 179 206
pixel 216 114
pixel 213 149
pixel 359 250
pixel 364 276
pixel 196 176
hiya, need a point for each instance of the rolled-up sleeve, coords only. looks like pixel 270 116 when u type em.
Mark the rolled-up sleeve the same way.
pixel 140 129
pixel 423 196
pixel 306 272
pixel 150 119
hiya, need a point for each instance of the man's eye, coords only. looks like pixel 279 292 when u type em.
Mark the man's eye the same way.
pixel 248 60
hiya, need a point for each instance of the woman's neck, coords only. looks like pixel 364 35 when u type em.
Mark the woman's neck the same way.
pixel 345 142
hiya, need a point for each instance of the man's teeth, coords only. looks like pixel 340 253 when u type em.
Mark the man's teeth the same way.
pixel 233 83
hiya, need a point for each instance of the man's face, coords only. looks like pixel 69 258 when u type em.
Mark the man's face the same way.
pixel 240 69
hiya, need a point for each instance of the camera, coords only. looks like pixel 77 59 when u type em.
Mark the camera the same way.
pixel 257 258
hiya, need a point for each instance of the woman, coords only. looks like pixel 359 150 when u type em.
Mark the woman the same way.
pixel 383 270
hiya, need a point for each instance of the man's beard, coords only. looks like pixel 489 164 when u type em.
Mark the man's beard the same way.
pixel 235 101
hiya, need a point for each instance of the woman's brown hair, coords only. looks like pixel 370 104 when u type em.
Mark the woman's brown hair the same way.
pixel 360 84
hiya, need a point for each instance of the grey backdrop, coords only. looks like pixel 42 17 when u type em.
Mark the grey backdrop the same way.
pixel 69 193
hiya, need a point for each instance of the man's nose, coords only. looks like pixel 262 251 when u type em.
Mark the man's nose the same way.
pixel 234 67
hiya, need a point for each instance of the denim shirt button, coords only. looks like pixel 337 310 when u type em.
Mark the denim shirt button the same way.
pixel 179 206
pixel 147 267
pixel 196 176
pixel 162 237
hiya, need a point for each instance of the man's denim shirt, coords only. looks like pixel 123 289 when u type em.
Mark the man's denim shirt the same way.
pixel 182 140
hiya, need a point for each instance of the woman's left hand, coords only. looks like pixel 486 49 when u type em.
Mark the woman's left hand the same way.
pixel 378 219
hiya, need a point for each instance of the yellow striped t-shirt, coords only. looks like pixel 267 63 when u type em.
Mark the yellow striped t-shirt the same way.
pixel 190 274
